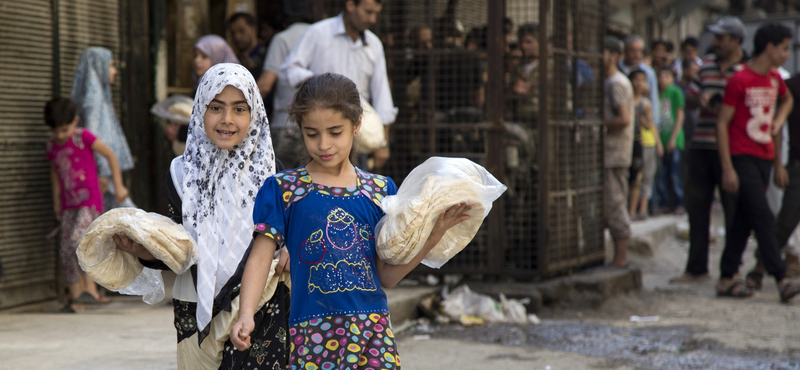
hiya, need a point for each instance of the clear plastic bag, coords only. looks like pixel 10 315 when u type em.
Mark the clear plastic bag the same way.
pixel 149 284
pixel 371 134
pixel 430 189
pixel 119 271
pixel 463 301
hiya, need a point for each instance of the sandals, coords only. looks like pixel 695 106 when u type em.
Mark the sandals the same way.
pixel 792 270
pixel 753 280
pixel 788 291
pixel 739 290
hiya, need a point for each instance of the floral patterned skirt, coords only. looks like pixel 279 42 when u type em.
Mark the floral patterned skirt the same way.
pixel 74 223
pixel 269 345
pixel 344 342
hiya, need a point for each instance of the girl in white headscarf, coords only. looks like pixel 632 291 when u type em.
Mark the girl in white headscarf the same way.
pixel 212 192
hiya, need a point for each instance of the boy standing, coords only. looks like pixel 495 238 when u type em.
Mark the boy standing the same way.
pixel 672 116
pixel 618 116
pixel 651 148
pixel 747 124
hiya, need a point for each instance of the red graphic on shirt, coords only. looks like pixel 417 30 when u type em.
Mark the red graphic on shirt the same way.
pixel 754 97
pixel 761 101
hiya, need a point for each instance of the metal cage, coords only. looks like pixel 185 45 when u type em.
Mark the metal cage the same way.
pixel 515 86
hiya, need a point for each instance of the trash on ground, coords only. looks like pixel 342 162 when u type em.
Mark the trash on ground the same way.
pixel 464 302
pixel 514 310
pixel 533 319
pixel 468 320
pixel 422 337
pixel 644 318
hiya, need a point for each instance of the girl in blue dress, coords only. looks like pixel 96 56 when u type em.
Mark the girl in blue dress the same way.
pixel 325 215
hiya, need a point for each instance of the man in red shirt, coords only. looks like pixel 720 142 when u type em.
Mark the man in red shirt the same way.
pixel 747 123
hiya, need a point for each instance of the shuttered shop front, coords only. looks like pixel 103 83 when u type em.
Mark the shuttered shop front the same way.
pixel 30 72
pixel 26 209
pixel 85 23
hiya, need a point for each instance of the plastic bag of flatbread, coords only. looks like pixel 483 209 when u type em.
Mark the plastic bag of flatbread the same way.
pixel 430 189
pixel 371 135
pixel 120 271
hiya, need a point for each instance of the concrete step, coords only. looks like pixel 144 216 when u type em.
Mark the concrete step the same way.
pixel 647 235
pixel 588 289
pixel 403 301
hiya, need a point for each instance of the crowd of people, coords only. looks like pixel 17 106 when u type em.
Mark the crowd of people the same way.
pixel 717 125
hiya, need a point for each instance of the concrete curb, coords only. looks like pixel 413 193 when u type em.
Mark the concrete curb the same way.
pixel 403 301
pixel 586 289
pixel 647 235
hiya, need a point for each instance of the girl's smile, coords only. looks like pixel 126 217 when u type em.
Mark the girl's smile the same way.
pixel 227 118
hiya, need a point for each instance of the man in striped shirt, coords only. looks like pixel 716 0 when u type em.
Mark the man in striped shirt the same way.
pixel 702 168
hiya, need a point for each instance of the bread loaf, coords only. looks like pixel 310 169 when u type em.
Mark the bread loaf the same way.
pixel 114 269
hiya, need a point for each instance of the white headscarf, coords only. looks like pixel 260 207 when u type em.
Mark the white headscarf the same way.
pixel 220 186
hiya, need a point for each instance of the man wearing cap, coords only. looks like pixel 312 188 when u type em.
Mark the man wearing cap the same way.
pixel 634 60
pixel 702 167
pixel 618 111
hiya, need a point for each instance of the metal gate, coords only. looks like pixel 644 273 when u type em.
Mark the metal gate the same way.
pixel 468 85
pixel 26 69
pixel 41 42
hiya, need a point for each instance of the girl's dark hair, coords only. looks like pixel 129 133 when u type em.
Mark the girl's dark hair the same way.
pixel 327 91
pixel 59 112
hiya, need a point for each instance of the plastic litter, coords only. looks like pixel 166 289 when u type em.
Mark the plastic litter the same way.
pixel 422 337
pixel 470 308
pixel 514 310
pixel 463 301
pixel 430 189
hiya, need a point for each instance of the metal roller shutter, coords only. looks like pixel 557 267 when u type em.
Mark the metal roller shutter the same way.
pixel 26 214
pixel 85 23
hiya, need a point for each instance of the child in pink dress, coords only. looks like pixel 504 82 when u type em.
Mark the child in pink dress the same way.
pixel 77 200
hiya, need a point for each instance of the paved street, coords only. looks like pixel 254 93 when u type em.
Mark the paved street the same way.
pixel 695 330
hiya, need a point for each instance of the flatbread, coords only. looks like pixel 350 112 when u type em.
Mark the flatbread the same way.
pixel 114 269
pixel 405 231
pixel 181 108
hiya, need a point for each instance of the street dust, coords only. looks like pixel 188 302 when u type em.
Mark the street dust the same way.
pixel 646 347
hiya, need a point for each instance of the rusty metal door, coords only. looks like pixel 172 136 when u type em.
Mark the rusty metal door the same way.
pixel 26 209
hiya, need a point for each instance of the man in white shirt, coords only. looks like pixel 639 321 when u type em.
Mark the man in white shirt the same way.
pixel 344 45
pixel 298 16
